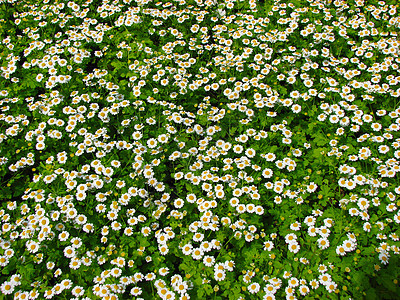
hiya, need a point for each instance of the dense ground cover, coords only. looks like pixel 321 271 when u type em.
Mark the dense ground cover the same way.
pixel 199 149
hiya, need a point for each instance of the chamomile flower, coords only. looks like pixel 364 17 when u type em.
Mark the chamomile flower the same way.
pixel 268 245
pixel 323 243
pixel 7 288
pixel 136 291
pixel 267 173
pixel 32 246
pixel 219 275
pixel 237 149
pixel 254 288
pixel 187 249
pixel 77 291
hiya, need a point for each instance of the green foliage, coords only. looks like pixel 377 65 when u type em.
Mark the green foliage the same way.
pixel 203 149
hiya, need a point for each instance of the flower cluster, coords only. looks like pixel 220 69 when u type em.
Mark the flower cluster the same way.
pixel 181 149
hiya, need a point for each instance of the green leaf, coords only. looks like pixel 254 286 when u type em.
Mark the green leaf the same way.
pixel 5 193
pixel 200 293
pixel 189 187
pixel 273 149
pixel 349 54
pixel 198 281
pixel 311 126
pixel 281 90
pixel 117 64
pixel 320 141
pixel 326 191
pixel 236 291
pixel 316 153
pixel 208 289
pixel 185 267
pixel 371 294
pixel 387 281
